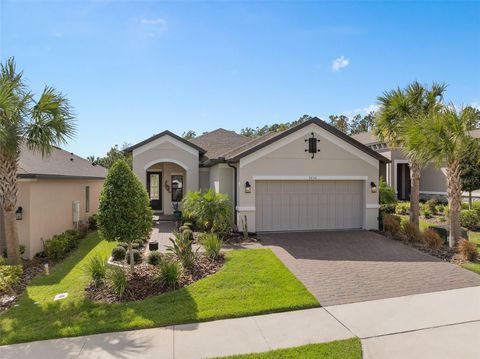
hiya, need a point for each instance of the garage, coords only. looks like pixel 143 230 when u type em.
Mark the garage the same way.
pixel 294 205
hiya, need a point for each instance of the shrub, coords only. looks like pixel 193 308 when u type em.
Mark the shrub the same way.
pixel 124 213
pixel 440 208
pixel 464 205
pixel 426 213
pixel 469 218
pixel 82 230
pixel 140 242
pixel 154 258
pixel 60 245
pixel 391 224
pixel 119 253
pixel 432 204
pixel 96 268
pixel 135 245
pixel 386 193
pixel 137 258
pixel 476 206
pixel 169 274
pixel 402 208
pixel 182 248
pixel 92 222
pixel 387 209
pixel 468 250
pixel 10 277
pixel 442 219
pixel 209 209
pixel 212 245
pixel 432 239
pixel 118 280
pixel 21 248
pixel 412 233
pixel 123 244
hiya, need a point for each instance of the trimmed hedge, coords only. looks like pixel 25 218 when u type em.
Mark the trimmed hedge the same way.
pixel 60 245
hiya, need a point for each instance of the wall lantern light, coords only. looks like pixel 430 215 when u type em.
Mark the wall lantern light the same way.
pixel 373 187
pixel 19 214
pixel 248 188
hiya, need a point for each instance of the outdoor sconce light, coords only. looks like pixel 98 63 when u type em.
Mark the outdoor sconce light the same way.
pixel 19 214
pixel 248 188
pixel 373 187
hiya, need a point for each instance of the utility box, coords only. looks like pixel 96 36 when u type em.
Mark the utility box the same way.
pixel 76 212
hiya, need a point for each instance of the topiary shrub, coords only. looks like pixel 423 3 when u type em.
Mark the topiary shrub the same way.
pixel 135 245
pixel 123 244
pixel 124 213
pixel 468 250
pixel 119 253
pixel 137 258
pixel 469 218
pixel 402 208
pixel 154 258
pixel 432 239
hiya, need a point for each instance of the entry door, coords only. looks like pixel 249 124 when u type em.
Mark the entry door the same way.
pixel 154 186
pixel 403 181
pixel 308 205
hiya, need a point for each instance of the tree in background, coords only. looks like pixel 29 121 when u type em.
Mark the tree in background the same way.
pixel 441 137
pixel 189 135
pixel 399 109
pixel 277 127
pixel 339 122
pixel 37 124
pixel 113 155
pixel 470 172
pixel 360 123
pixel 124 213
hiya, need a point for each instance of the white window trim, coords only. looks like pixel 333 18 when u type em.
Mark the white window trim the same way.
pixel 166 138
pixel 245 208
pixel 305 132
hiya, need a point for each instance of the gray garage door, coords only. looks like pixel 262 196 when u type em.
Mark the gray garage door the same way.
pixel 308 205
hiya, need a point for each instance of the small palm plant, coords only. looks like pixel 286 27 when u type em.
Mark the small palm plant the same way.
pixel 212 245
pixel 182 247
pixel 96 268
pixel 443 138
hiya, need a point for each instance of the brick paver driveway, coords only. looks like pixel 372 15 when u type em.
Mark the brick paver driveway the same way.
pixel 341 267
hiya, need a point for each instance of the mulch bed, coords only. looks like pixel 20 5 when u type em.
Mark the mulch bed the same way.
pixel 141 283
pixel 31 268
pixel 237 238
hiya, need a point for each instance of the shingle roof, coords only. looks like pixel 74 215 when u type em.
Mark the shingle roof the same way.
pixel 165 133
pixel 218 142
pixel 366 138
pixel 58 164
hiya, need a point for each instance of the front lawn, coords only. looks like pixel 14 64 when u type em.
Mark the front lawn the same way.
pixel 251 282
pixel 342 349
pixel 474 267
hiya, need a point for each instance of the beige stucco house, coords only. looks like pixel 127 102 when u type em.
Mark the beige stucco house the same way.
pixel 433 180
pixel 309 177
pixel 54 192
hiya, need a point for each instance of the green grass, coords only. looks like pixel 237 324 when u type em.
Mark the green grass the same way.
pixel 342 349
pixel 251 282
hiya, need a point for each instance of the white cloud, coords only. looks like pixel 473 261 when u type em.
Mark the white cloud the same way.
pixel 339 63
pixel 361 111
pixel 157 21
pixel 58 34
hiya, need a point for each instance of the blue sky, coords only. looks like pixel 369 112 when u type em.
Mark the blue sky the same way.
pixel 135 68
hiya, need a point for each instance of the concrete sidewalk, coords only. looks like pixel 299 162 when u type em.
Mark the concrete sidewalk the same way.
pixel 199 340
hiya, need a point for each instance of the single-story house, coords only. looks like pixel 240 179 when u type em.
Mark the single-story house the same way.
pixel 54 193
pixel 433 180
pixel 308 177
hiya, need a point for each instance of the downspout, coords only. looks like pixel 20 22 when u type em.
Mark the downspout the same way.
pixel 235 192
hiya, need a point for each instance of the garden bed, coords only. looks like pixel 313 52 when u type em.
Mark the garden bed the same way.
pixel 142 283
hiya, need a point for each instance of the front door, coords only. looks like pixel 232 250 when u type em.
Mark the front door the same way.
pixel 403 181
pixel 154 187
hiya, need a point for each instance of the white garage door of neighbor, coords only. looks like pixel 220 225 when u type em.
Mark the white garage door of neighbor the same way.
pixel 308 205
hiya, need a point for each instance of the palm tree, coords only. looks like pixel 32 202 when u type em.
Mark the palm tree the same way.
pixel 37 125
pixel 415 102
pixel 444 137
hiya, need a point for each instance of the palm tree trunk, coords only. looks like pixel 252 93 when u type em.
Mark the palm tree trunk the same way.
pixel 454 201
pixel 415 171
pixel 3 243
pixel 8 197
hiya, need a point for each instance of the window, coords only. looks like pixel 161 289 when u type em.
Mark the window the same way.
pixel 177 188
pixel 87 199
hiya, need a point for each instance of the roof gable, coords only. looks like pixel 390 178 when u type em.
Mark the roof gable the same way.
pixel 162 134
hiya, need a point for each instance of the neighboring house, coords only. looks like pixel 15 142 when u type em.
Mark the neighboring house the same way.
pixel 48 187
pixel 433 180
pixel 309 177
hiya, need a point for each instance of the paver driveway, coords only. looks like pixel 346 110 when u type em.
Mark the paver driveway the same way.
pixel 341 267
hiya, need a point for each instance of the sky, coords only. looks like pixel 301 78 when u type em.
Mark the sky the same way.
pixel 135 68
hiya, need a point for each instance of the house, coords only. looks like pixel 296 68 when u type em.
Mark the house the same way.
pixel 433 180
pixel 308 177
pixel 53 193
